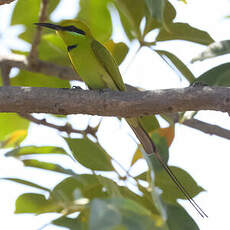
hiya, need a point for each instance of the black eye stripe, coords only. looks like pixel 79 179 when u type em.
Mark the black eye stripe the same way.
pixel 71 47
pixel 73 29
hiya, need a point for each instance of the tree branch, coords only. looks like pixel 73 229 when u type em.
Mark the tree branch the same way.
pixel 202 126
pixel 5 70
pixel 207 128
pixel 37 37
pixel 113 103
pixel 2 2
pixel 47 68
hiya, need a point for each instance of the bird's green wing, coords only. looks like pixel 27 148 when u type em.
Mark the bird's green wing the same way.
pixel 106 59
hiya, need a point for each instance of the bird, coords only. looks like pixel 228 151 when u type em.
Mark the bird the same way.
pixel 99 70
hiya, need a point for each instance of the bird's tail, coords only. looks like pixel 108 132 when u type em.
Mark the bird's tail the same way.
pixel 150 148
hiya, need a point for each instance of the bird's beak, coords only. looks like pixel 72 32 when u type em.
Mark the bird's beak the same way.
pixel 49 25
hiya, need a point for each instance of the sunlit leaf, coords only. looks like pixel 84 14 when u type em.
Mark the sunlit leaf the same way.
pixel 47 166
pixel 168 133
pixel 213 50
pixel 31 150
pixel 218 75
pixel 118 50
pixel 70 187
pixel 53 49
pixel 170 191
pixel 149 123
pixel 24 182
pixel 26 18
pixel 97 16
pixel 131 13
pixel 31 16
pixel 10 122
pixel 119 213
pixel 183 31
pixel 52 5
pixel 14 139
pixel 34 203
pixel 142 176
pixel 176 64
pixel 137 155
pixel 25 78
pixel 90 154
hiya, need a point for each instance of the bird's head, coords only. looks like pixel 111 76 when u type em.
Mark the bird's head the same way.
pixel 68 29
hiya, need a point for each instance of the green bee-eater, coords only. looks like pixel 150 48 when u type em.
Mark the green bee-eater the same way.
pixel 98 69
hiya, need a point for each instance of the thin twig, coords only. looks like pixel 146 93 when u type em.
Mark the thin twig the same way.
pixel 37 38
pixel 207 128
pixel 202 126
pixel 62 128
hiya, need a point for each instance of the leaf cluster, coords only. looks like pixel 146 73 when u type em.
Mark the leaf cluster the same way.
pixel 99 200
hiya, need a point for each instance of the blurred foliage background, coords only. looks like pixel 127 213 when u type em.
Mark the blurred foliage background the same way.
pixel 102 196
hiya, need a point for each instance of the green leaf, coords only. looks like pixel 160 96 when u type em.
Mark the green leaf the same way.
pixel 19 16
pixel 176 64
pixel 53 49
pixel 179 219
pixel 34 203
pixel 52 5
pixel 70 223
pixel 27 19
pixel 25 78
pixel 162 147
pixel 151 200
pixel 119 213
pixel 14 138
pixel 47 166
pixel 131 13
pixel 97 16
pixel 69 188
pixel 10 122
pixel 31 150
pixel 90 154
pixel 170 191
pixel 156 9
pixel 24 182
pixel 169 13
pixel 219 75
pixel 111 187
pixel 213 50
pixel 142 176
pixel 137 155
pixel 149 123
pixel 144 200
pixel 183 31
pixel 118 50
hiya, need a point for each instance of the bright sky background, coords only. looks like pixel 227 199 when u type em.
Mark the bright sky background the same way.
pixel 205 157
